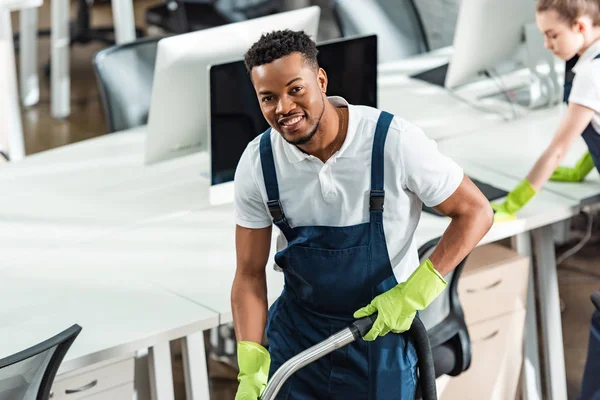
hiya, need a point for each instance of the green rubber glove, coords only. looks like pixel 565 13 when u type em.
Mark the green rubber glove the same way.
pixel 397 307
pixel 254 362
pixel 575 174
pixel 515 200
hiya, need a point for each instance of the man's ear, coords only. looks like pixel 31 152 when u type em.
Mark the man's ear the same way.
pixel 322 78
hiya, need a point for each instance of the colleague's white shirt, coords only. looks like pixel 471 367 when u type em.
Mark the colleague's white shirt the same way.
pixel 586 84
pixel 336 193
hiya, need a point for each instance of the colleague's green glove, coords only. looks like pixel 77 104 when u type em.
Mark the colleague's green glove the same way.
pixel 575 174
pixel 397 307
pixel 254 362
pixel 515 200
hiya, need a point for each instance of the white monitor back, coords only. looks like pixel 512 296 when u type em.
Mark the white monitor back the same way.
pixel 177 121
pixel 488 32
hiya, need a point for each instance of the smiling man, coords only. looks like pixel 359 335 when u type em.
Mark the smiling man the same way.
pixel 321 175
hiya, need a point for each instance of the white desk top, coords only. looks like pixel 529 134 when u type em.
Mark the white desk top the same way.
pixel 439 113
pixel 92 188
pixel 191 254
pixel 512 148
pixel 544 209
pixel 118 316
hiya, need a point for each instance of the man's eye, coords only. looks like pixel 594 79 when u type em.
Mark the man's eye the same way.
pixel 296 89
pixel 267 98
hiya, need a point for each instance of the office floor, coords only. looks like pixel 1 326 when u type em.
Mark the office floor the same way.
pixel 86 121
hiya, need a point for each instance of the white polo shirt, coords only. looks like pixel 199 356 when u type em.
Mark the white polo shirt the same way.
pixel 586 84
pixel 336 193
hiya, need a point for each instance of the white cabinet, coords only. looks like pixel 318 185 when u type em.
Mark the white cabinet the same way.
pixel 112 380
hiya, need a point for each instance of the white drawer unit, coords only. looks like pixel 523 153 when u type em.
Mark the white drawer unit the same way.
pixel 123 392
pixel 112 379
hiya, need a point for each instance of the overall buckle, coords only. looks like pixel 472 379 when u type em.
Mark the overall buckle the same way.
pixel 276 210
pixel 376 200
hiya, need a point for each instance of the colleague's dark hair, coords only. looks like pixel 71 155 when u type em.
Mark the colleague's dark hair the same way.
pixel 274 45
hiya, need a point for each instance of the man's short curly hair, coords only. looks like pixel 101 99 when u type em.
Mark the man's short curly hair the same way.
pixel 277 44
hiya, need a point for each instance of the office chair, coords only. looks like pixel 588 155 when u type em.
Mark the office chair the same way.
pixel 124 74
pixel 445 323
pixel 182 16
pixel 397 23
pixel 29 374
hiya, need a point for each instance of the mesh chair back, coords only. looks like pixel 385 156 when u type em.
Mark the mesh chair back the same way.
pixel 124 74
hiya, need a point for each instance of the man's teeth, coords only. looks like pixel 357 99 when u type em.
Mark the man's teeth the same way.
pixel 292 121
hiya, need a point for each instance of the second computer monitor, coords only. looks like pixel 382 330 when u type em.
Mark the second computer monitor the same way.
pixel 488 33
pixel 236 117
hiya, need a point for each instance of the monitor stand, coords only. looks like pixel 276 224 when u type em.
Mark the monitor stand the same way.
pixel 543 90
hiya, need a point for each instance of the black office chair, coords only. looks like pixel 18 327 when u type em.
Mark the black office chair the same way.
pixel 445 323
pixel 397 24
pixel 125 74
pixel 182 16
pixel 29 374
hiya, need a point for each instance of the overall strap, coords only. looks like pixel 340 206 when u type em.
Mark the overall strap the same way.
pixel 377 194
pixel 270 178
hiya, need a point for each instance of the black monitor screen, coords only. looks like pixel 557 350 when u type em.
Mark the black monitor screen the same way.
pixel 236 118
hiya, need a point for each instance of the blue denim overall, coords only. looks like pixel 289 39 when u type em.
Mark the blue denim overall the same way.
pixel 590 135
pixel 330 272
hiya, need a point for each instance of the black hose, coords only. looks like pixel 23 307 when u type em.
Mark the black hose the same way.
pixel 418 333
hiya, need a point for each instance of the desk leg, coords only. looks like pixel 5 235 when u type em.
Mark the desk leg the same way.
pixel 124 21
pixel 30 86
pixel 161 372
pixel 60 83
pixel 11 131
pixel 530 374
pixel 547 283
pixel 194 367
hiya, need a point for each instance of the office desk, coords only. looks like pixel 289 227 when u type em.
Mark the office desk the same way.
pixel 513 148
pixel 118 317
pixel 437 111
pixel 89 189
pixel 556 208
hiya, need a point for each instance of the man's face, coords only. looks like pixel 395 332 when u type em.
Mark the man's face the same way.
pixel 291 94
pixel 563 39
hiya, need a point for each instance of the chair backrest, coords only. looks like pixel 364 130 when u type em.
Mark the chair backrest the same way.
pixel 396 23
pixel 124 74
pixel 445 323
pixel 29 374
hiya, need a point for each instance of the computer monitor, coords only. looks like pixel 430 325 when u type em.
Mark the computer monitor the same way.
pixel 178 117
pixel 493 35
pixel 235 115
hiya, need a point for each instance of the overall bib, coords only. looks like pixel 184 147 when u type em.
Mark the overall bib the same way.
pixel 590 135
pixel 330 272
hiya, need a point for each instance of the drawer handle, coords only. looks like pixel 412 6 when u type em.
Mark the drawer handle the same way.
pixel 488 337
pixel 488 287
pixel 83 388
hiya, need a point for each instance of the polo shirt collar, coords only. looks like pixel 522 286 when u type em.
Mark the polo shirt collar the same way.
pixel 587 55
